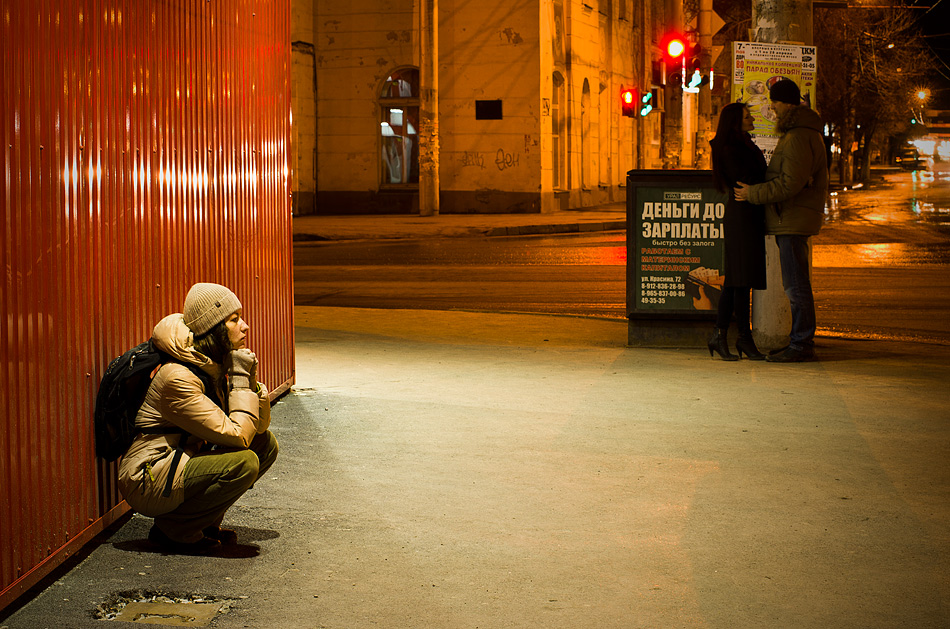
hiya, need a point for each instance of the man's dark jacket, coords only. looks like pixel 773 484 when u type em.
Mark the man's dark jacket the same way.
pixel 796 182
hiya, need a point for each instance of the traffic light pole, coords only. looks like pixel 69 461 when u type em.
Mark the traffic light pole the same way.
pixel 774 22
pixel 672 127
pixel 703 131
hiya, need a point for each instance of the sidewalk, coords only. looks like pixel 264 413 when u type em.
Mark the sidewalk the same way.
pixel 461 470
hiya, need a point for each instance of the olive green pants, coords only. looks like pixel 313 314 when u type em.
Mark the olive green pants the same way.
pixel 214 481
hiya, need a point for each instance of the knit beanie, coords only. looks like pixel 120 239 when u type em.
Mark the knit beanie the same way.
pixel 785 91
pixel 206 305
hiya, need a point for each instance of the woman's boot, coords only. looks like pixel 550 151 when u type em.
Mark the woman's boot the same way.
pixel 745 345
pixel 717 343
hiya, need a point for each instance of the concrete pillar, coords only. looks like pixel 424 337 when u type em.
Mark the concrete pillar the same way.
pixel 782 21
pixel 689 129
pixel 776 22
pixel 429 108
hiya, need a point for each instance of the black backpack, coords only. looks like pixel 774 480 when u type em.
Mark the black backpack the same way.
pixel 121 394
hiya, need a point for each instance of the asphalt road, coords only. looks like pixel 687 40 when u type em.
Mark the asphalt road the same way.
pixel 881 268
pixel 856 296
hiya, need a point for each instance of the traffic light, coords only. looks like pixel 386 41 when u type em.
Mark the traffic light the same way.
pixel 693 56
pixel 695 75
pixel 628 102
pixel 648 100
pixel 683 57
pixel 674 46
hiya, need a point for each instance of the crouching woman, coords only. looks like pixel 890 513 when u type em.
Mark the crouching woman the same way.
pixel 204 437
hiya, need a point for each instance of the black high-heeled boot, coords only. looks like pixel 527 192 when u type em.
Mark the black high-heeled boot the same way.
pixel 745 345
pixel 718 343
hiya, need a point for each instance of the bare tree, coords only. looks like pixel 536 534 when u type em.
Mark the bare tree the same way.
pixel 871 63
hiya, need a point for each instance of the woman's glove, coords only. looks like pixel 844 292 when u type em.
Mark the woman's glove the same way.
pixel 243 370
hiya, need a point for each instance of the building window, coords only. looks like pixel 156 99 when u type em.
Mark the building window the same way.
pixel 399 128
pixel 558 134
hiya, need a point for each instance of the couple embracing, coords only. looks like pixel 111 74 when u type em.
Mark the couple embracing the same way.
pixel 784 198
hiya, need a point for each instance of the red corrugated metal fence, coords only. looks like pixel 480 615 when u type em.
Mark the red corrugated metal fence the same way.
pixel 143 147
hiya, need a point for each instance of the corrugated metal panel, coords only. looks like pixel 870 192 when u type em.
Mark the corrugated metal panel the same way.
pixel 144 148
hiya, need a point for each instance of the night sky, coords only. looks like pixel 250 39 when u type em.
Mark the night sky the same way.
pixel 935 25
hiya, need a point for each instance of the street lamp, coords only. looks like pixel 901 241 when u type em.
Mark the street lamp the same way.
pixel 922 95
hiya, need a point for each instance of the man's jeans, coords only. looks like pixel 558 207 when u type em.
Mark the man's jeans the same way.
pixel 793 254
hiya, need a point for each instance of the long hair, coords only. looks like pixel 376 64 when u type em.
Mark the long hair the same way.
pixel 215 343
pixel 728 131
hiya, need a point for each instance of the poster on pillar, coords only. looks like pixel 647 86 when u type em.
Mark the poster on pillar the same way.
pixel 677 256
pixel 756 67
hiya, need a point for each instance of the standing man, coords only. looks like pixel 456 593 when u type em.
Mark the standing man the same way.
pixel 794 191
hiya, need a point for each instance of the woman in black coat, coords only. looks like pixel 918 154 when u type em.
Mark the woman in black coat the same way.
pixel 736 158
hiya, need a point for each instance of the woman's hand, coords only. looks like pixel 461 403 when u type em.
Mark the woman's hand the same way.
pixel 742 191
pixel 243 370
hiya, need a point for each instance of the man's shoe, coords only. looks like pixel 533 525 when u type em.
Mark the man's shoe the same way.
pixel 226 536
pixel 792 355
pixel 773 352
pixel 203 546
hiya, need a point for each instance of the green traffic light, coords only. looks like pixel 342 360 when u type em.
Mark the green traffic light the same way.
pixel 647 103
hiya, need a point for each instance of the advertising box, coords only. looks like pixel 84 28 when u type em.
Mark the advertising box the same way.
pixel 675 268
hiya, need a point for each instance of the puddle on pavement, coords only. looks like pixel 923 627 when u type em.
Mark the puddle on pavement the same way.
pixel 888 254
pixel 921 197
pixel 150 608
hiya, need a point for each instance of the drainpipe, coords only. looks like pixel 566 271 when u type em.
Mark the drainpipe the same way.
pixel 429 108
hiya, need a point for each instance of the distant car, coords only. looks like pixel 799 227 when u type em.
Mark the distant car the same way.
pixel 908 158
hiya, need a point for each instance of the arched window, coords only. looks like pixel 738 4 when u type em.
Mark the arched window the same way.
pixel 558 134
pixel 399 128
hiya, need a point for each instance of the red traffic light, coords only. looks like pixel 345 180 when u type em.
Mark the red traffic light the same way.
pixel 628 100
pixel 674 46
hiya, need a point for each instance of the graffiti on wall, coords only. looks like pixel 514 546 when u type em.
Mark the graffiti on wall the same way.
pixel 469 158
pixel 505 160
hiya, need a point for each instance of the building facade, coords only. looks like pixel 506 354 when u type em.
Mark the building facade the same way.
pixel 529 111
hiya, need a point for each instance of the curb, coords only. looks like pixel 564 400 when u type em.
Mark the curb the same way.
pixel 511 230
pixel 566 228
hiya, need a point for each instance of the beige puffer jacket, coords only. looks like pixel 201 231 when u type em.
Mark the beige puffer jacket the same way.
pixel 176 399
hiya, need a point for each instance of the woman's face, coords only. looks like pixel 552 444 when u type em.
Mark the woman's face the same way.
pixel 237 329
pixel 748 122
